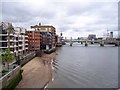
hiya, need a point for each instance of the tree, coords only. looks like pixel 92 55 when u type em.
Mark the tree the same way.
pixel 7 57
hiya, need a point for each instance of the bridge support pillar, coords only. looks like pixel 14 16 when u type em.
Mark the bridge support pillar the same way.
pixel 81 42
pixel 70 44
pixel 117 44
pixel 92 42
pixel 86 43
pixel 102 43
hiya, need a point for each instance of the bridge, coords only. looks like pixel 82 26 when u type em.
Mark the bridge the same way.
pixel 87 42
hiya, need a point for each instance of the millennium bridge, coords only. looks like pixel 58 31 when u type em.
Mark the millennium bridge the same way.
pixel 87 42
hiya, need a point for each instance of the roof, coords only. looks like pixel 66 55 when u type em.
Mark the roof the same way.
pixel 5 25
pixel 36 26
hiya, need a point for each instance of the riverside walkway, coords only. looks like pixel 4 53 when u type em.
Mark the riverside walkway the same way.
pixel 37 73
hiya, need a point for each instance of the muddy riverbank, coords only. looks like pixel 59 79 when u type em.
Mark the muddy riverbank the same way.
pixel 38 72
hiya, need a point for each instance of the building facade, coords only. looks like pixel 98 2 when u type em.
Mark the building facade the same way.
pixel 34 40
pixel 21 42
pixel 92 37
pixel 6 36
pixel 13 38
pixel 48 34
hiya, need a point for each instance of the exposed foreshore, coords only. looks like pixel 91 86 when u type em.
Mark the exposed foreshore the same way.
pixel 38 72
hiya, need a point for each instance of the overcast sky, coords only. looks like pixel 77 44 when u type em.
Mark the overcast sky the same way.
pixel 71 17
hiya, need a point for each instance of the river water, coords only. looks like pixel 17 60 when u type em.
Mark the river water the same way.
pixel 85 67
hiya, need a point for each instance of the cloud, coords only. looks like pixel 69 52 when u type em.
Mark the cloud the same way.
pixel 74 18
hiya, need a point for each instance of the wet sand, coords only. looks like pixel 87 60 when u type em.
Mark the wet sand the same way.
pixel 37 72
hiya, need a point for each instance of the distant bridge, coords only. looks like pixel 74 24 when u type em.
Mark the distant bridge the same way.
pixel 101 42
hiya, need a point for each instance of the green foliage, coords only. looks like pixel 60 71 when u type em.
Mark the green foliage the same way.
pixel 7 56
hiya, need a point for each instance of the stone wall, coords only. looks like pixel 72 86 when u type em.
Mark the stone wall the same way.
pixel 10 75
pixel 28 58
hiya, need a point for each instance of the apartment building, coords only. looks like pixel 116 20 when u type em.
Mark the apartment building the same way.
pixel 46 40
pixel 6 36
pixel 34 40
pixel 13 38
pixel 21 42
pixel 48 36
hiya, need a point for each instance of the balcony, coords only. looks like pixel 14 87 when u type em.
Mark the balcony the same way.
pixel 15 45
pixel 3 47
pixel 20 40
pixel 20 45
pixel 26 36
pixel 11 34
pixel 3 41
pixel 26 39
pixel 26 47
pixel 11 40
pixel 26 43
pixel 20 50
pixel 15 40
pixel 11 45
pixel 3 34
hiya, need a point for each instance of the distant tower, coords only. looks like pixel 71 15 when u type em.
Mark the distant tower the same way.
pixel 107 33
pixel 61 34
pixel 111 34
pixel 65 38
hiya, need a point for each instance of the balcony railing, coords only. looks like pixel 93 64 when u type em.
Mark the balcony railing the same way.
pixel 3 34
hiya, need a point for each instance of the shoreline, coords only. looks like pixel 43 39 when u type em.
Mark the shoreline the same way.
pixel 38 72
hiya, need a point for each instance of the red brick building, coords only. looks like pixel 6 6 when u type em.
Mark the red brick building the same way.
pixel 34 41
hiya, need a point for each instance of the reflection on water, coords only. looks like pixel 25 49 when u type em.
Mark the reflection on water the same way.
pixel 85 67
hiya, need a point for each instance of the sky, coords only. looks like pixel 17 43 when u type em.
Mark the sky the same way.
pixel 74 18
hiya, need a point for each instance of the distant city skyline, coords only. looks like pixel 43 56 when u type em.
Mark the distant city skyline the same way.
pixel 74 18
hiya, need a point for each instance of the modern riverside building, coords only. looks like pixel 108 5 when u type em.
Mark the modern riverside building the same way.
pixel 46 40
pixel 34 40
pixel 7 36
pixel 48 36
pixel 13 38
pixel 21 42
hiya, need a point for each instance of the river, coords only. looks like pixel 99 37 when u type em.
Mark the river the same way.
pixel 85 67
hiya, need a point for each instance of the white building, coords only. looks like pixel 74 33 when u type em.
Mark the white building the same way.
pixel 13 38
pixel 6 36
pixel 21 41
